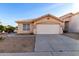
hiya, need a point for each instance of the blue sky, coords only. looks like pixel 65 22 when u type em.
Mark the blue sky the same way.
pixel 10 12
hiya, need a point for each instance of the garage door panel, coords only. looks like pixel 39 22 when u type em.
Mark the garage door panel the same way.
pixel 48 29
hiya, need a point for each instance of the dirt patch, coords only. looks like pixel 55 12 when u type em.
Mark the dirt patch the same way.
pixel 17 44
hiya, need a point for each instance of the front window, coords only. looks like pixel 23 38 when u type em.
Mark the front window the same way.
pixel 26 27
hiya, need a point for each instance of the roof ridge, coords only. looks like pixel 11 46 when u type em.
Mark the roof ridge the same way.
pixel 76 13
pixel 66 14
pixel 41 17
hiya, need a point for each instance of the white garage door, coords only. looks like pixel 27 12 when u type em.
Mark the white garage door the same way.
pixel 48 29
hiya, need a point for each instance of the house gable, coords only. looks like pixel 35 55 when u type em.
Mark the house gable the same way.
pixel 47 19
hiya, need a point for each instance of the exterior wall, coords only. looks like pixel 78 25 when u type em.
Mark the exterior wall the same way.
pixel 48 21
pixel 21 31
pixel 66 26
pixel 20 27
pixel 67 19
pixel 74 24
pixel 45 20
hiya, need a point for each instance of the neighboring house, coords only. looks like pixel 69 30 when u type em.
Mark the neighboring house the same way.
pixel 47 24
pixel 66 18
pixel 71 22
pixel 74 23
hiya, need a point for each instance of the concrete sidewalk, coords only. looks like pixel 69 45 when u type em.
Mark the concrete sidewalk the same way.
pixel 41 54
pixel 27 54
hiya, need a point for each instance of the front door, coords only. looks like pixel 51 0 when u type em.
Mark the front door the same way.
pixel 66 26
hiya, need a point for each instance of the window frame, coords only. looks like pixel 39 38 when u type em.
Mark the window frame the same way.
pixel 26 27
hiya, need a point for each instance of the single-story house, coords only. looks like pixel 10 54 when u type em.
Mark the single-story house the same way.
pixel 49 24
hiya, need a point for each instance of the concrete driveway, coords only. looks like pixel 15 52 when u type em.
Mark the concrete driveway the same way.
pixel 57 45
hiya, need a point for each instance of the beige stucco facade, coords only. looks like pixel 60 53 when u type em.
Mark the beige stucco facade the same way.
pixel 46 19
pixel 20 29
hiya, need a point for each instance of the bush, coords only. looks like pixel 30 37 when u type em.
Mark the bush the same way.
pixel 7 28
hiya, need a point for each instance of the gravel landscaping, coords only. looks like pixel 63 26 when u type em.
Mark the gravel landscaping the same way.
pixel 13 43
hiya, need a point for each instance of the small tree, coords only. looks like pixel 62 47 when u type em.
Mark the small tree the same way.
pixel 10 29
pixel 1 28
